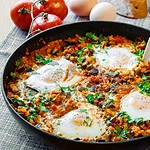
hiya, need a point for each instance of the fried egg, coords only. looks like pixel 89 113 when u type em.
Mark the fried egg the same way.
pixel 84 122
pixel 116 58
pixel 136 105
pixel 53 75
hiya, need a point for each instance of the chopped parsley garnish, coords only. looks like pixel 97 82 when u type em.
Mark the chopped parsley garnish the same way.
pixel 83 110
pixel 18 100
pixel 18 62
pixel 82 39
pixel 144 87
pixel 80 59
pixel 78 67
pixel 31 117
pixel 33 110
pixel 92 36
pixel 42 60
pixel 108 120
pixel 43 108
pixel 106 39
pixel 121 133
pixel 140 54
pixel 91 97
pixel 89 45
pixel 134 43
pixel 87 122
pixel 58 122
pixel 80 54
pixel 45 100
pixel 124 115
pixel 65 89
pixel 138 120
pixel 108 102
pixel 25 107
pixel 30 96
pixel 70 90
pixel 13 74
pixel 144 77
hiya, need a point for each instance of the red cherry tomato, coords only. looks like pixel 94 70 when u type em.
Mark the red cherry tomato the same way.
pixel 56 7
pixel 20 14
pixel 45 21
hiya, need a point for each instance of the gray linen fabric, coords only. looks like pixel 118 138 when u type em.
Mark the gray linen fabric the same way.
pixel 12 136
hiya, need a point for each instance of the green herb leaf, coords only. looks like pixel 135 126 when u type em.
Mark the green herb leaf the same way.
pixel 43 108
pixel 138 120
pixel 144 87
pixel 87 122
pixel 144 77
pixel 140 54
pixel 30 96
pixel 78 67
pixel 80 59
pixel 33 110
pixel 58 122
pixel 124 134
pixel 41 59
pixel 90 98
pixel 44 99
pixel 98 96
pixel 124 115
pixel 108 102
pixel 89 45
pixel 117 131
pixel 18 100
pixel 83 110
pixel 134 43
pixel 13 74
pixel 92 36
pixel 65 89
pixel 82 39
pixel 108 120
pixel 31 117
pixel 106 39
pixel 121 133
pixel 25 107
pixel 18 62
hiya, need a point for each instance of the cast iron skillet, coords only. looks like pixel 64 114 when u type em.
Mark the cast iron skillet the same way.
pixel 65 31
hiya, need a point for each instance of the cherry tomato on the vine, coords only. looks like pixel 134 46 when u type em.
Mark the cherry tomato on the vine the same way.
pixel 56 7
pixel 20 13
pixel 45 21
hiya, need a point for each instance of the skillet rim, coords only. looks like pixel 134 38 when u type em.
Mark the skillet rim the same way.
pixel 44 132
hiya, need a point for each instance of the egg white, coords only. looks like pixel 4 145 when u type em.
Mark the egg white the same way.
pixel 136 105
pixel 116 58
pixel 84 122
pixel 53 75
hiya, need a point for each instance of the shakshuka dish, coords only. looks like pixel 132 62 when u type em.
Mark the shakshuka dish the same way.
pixel 89 88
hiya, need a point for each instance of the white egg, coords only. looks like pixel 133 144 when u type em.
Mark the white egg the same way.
pixel 116 58
pixel 53 75
pixel 84 122
pixel 82 7
pixel 136 105
pixel 103 11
